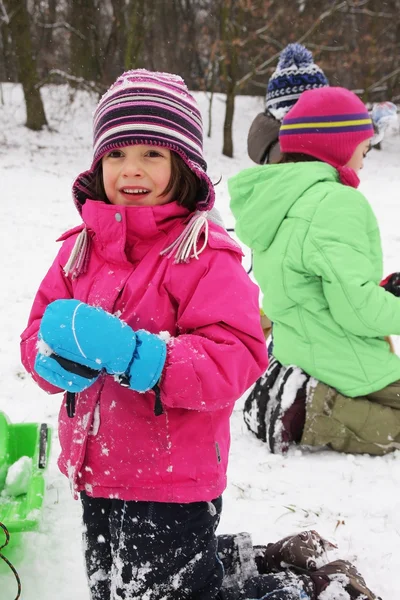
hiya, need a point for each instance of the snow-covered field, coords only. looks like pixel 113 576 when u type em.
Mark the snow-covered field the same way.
pixel 352 500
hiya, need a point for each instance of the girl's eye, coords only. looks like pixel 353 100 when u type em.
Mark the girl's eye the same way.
pixel 114 154
pixel 153 153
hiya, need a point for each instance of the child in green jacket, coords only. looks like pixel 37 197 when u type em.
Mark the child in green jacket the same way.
pixel 318 261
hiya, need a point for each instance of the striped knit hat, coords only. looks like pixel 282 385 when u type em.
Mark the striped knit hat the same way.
pixel 144 107
pixel 327 123
pixel 296 72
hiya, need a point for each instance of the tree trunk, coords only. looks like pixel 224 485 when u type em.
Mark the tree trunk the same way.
pixel 112 58
pixel 135 34
pixel 210 85
pixel 48 33
pixel 84 60
pixel 8 71
pixel 26 63
pixel 394 81
pixel 227 149
pixel 229 70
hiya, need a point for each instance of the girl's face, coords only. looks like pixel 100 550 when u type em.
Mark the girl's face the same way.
pixel 356 161
pixel 137 175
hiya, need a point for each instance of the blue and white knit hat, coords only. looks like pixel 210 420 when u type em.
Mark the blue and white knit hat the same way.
pixel 296 72
pixel 145 107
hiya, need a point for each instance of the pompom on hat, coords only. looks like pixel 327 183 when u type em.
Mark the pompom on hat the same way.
pixel 295 73
pixel 328 124
pixel 152 108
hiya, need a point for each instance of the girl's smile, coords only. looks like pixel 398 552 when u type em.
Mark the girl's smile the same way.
pixel 137 175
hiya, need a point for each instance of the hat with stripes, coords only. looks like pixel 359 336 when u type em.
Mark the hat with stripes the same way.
pixel 328 124
pixel 145 107
pixel 296 72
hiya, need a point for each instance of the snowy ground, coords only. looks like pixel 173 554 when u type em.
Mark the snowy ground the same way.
pixel 352 500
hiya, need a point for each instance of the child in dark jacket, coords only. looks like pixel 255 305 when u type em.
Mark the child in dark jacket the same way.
pixel 150 325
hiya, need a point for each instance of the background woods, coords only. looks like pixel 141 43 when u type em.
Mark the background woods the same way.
pixel 228 46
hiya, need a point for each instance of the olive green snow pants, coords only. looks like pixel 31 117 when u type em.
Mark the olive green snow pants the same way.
pixel 368 424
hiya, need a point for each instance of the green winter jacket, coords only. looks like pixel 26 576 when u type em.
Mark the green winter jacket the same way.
pixel 318 261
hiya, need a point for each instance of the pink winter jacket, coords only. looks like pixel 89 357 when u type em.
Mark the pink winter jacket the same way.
pixel 115 446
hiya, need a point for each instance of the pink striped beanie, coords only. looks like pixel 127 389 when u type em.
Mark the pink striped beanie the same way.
pixel 145 107
pixel 327 123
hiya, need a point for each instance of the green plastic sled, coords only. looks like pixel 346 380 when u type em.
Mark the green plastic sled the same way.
pixel 22 513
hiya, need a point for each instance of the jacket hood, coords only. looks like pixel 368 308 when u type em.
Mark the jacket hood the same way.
pixel 261 197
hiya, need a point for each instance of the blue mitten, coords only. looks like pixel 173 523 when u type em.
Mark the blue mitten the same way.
pixel 96 339
pixel 64 374
pixel 148 361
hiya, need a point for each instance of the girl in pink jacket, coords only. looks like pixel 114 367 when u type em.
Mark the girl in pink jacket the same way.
pixel 148 322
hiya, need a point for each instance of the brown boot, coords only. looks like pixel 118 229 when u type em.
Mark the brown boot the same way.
pixel 302 551
pixel 346 575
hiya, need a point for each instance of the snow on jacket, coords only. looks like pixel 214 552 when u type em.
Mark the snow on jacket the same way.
pixel 115 446
pixel 318 261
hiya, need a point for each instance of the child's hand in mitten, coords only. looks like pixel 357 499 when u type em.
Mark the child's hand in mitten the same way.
pixel 391 283
pixel 63 373
pixel 98 340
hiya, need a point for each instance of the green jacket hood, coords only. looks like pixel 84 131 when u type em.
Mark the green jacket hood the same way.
pixel 261 197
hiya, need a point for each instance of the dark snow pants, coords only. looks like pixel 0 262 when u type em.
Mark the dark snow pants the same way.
pixel 279 586
pixel 135 550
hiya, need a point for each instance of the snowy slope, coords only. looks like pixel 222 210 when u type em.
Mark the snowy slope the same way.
pixel 352 500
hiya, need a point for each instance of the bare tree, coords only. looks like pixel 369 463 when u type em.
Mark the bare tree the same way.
pixel 112 48
pixel 136 27
pixel 19 27
pixel 44 19
pixel 240 40
pixel 84 55
pixel 7 65
pixel 230 15
pixel 229 46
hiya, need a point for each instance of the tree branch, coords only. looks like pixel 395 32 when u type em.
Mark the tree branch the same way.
pixel 370 13
pixel 370 88
pixel 336 7
pixel 326 48
pixel 83 83
pixel 272 41
pixel 258 33
pixel 4 18
pixel 260 69
pixel 64 25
